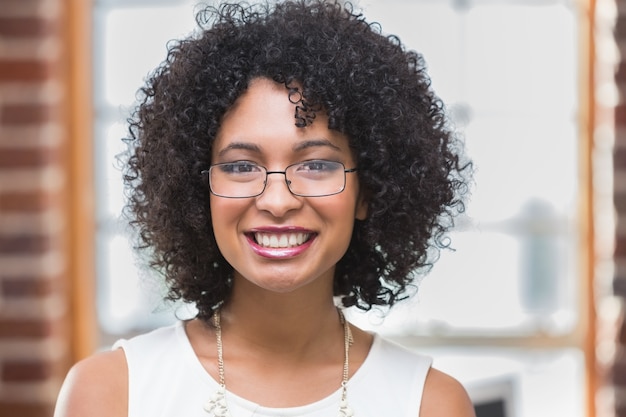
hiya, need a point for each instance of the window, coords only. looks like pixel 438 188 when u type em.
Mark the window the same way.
pixel 507 70
pixel 127 302
pixel 505 305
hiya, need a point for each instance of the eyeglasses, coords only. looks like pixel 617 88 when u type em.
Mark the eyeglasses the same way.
pixel 242 179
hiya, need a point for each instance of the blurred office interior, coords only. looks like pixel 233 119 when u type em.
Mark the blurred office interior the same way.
pixel 527 310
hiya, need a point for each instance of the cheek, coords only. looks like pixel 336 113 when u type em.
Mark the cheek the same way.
pixel 224 214
pixel 224 207
pixel 340 210
pixel 349 203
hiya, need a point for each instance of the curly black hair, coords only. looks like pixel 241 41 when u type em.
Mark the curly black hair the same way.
pixel 374 91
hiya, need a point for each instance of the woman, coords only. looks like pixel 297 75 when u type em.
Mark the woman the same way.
pixel 285 159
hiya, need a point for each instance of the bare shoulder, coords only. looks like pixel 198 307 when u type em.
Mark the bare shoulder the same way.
pixel 95 387
pixel 444 396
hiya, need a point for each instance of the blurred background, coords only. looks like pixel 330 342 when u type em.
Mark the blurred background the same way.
pixel 526 310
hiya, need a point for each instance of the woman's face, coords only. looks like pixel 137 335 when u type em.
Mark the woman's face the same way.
pixel 278 241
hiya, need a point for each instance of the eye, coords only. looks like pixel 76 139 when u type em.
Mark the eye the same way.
pixel 240 167
pixel 318 165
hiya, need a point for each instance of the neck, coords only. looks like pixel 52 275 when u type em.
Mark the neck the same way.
pixel 280 327
pixel 281 322
pixel 217 405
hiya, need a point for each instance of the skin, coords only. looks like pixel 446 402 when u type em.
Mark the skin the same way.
pixel 280 320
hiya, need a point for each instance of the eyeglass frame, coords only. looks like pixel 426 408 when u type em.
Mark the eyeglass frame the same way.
pixel 206 174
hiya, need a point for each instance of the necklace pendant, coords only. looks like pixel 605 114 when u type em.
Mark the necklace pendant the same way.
pixel 345 410
pixel 216 405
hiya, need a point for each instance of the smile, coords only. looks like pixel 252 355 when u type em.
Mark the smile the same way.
pixel 283 240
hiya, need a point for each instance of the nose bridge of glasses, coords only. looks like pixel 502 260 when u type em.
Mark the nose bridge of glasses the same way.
pixel 284 173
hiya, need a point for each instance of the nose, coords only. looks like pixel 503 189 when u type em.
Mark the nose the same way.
pixel 277 199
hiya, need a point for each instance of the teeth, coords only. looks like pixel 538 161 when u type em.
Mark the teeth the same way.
pixel 286 240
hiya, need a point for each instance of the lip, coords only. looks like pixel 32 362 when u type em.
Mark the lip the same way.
pixel 291 250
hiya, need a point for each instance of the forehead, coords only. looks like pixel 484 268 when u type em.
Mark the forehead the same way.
pixel 264 118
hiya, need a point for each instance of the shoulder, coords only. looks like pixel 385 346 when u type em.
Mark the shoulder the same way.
pixel 95 387
pixel 444 396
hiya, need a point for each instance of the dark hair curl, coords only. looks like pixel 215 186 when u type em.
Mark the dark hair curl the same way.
pixel 332 60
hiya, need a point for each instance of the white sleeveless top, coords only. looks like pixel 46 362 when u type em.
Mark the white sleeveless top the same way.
pixel 166 379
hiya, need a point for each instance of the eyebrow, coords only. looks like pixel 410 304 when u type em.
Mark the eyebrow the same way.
pixel 300 146
pixel 240 145
pixel 315 143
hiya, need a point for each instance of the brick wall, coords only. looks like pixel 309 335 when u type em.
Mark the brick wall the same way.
pixel 614 389
pixel 618 372
pixel 34 333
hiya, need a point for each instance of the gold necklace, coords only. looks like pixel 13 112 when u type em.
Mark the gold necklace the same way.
pixel 217 405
